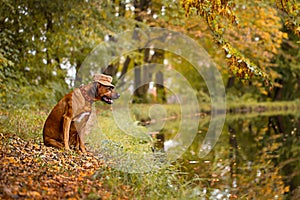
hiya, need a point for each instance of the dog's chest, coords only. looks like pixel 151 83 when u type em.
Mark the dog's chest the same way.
pixel 81 120
pixel 82 117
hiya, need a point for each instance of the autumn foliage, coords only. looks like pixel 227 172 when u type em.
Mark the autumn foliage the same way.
pixel 243 20
pixel 32 171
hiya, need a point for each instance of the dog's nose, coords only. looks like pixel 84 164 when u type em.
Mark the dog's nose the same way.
pixel 115 95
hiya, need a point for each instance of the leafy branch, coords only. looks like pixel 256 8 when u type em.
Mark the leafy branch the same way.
pixel 292 10
pixel 217 14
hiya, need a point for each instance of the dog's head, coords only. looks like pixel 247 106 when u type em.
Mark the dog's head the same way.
pixel 105 93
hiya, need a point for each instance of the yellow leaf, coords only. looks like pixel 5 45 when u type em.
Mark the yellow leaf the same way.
pixel 33 194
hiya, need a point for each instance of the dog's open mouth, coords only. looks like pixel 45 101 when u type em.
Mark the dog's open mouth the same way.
pixel 107 100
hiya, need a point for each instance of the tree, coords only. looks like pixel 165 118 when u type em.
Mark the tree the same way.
pixel 218 14
pixel 42 40
pixel 288 60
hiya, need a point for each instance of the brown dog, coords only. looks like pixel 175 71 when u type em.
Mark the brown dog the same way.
pixel 66 124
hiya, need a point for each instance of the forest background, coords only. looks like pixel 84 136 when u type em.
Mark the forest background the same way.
pixel 255 45
pixel 254 41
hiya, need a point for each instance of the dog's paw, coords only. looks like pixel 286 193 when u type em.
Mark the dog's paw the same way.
pixel 84 152
pixel 67 149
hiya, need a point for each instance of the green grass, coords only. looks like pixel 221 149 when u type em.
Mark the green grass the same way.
pixel 167 183
pixel 27 124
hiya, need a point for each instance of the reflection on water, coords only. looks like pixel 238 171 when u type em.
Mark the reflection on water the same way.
pixel 257 156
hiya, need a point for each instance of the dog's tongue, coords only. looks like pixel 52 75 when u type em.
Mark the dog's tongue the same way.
pixel 108 100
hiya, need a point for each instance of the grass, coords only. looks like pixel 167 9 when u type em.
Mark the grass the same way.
pixel 24 123
pixel 166 183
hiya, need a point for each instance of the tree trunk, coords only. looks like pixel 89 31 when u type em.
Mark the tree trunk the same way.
pixel 124 71
pixel 138 96
pixel 141 75
pixel 160 89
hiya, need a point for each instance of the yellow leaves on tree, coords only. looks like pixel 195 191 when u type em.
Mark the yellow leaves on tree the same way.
pixel 248 32
pixel 258 36
pixel 292 11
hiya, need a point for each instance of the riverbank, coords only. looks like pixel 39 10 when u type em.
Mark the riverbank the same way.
pixel 31 170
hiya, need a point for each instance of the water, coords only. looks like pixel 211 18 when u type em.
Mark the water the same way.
pixel 256 156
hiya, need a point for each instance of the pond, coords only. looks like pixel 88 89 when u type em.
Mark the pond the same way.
pixel 257 155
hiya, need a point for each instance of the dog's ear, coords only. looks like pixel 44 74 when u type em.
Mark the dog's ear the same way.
pixel 94 89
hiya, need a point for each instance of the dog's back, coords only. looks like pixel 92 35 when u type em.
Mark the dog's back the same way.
pixel 53 127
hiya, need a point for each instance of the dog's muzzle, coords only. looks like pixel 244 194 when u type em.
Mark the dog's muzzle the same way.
pixel 109 100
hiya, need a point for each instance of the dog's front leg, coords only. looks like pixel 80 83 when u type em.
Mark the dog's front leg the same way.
pixel 81 139
pixel 81 145
pixel 66 129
